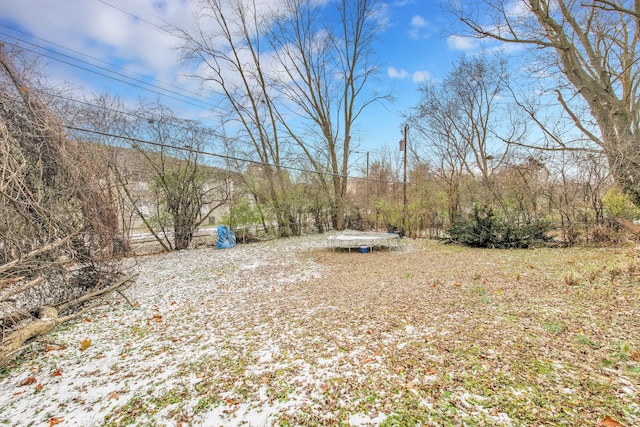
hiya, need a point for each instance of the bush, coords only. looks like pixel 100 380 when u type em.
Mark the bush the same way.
pixel 484 229
pixel 243 219
pixel 620 205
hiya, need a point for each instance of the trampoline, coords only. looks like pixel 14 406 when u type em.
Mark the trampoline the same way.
pixel 364 241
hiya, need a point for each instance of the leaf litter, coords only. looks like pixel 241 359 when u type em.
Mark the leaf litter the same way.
pixel 291 333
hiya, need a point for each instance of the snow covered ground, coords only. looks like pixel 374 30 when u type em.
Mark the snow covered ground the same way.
pixel 190 307
pixel 291 333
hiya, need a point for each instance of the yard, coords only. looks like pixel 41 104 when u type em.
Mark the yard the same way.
pixel 289 332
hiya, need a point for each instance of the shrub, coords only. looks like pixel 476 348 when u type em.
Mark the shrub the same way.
pixel 619 204
pixel 483 228
pixel 243 219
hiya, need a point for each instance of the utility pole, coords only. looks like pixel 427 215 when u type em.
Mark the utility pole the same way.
pixel 404 189
pixel 366 194
pixel 404 148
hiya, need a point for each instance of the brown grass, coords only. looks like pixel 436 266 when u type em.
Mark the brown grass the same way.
pixel 436 335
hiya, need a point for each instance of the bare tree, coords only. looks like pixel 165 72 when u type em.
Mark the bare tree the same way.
pixel 327 70
pixel 185 190
pixel 155 167
pixel 468 124
pixel 523 185
pixel 313 71
pixel 592 47
pixel 226 47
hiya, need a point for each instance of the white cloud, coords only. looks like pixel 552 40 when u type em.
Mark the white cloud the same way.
pixel 106 32
pixel 518 9
pixel 418 21
pixel 461 43
pixel 402 74
pixel 402 3
pixel 395 73
pixel 420 76
pixel 419 27
pixel 381 15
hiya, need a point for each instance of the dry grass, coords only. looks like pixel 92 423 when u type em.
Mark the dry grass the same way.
pixel 454 336
pixel 436 335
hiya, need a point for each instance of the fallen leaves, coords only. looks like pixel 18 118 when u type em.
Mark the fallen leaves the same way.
pixel 28 381
pixel 609 422
pixel 343 339
pixel 85 344
pixel 54 347
pixel 155 318
pixel 55 421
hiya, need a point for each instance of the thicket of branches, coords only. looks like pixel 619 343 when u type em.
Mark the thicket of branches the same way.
pixel 57 227
pixel 573 194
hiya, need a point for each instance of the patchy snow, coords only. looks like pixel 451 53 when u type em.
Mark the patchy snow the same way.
pixel 289 332
pixel 187 307
pixel 150 363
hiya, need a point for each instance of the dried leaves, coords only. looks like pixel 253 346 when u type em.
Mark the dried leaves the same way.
pixel 28 381
pixel 85 344
pixel 379 337
pixel 609 422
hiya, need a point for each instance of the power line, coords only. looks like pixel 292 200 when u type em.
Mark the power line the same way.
pixel 158 89
pixel 224 156
pixel 128 77
pixel 204 103
pixel 131 15
pixel 124 112
pixel 169 123
pixel 197 95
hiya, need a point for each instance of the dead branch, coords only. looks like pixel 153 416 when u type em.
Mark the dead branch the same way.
pixel 33 254
pixel 13 344
pixel 10 281
pixel 58 211
pixel 93 295
pixel 125 297
pixel 13 318
pixel 14 341
pixel 11 292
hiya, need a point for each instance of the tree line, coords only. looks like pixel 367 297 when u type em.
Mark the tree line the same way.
pixel 292 82
pixel 558 143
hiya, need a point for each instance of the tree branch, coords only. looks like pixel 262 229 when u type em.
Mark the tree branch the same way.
pixel 94 295
pixel 33 254
pixel 30 284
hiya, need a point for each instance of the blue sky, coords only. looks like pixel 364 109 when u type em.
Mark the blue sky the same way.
pixel 124 36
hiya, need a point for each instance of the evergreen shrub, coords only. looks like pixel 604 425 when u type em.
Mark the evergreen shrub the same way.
pixel 483 228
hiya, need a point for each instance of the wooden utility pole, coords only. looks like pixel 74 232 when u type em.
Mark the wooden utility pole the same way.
pixel 404 149
pixel 404 188
pixel 366 195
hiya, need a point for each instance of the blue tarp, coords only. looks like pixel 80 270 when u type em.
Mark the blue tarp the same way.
pixel 226 238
